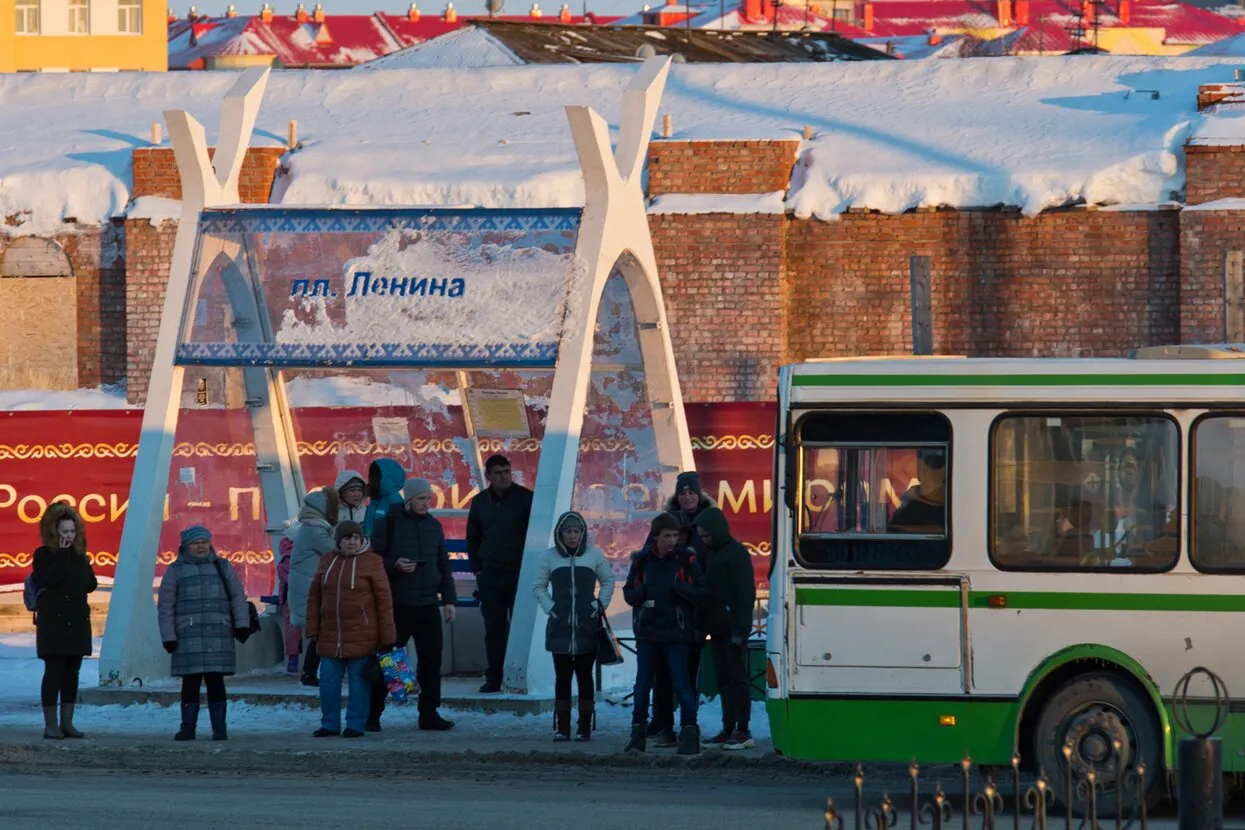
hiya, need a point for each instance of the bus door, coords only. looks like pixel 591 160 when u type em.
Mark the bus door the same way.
pixel 891 634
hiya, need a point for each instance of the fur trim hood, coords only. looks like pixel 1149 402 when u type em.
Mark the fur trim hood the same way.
pixel 320 505
pixel 672 504
pixel 52 517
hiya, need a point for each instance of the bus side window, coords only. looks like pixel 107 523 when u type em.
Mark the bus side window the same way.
pixel 1218 510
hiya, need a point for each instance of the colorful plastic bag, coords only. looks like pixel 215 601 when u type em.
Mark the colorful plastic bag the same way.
pixel 398 674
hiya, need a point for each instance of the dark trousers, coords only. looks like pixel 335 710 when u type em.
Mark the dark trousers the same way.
pixel 215 682
pixel 649 655
pixel 731 664
pixel 421 623
pixel 311 662
pixel 663 688
pixel 497 592
pixel 60 677
pixel 579 666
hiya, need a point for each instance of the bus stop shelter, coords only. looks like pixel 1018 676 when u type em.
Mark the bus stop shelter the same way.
pixel 562 304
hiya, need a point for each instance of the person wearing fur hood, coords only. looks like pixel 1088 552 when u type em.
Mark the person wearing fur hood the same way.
pixel 312 539
pixel 574 585
pixel 62 580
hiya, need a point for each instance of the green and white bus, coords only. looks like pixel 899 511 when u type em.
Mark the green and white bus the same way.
pixel 985 557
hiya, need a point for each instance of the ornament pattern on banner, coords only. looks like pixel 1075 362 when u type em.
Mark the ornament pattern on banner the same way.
pixel 733 442
pixel 29 452
pixel 360 355
pixel 380 220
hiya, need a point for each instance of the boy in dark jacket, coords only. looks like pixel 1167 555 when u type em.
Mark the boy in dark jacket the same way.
pixel 663 588
pixel 728 615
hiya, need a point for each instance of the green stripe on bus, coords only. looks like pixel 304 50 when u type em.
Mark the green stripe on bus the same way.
pixel 1230 379
pixel 1020 600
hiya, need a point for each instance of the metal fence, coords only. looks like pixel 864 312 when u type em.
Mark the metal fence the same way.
pixel 1081 803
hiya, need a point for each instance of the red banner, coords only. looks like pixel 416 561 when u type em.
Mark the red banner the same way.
pixel 86 459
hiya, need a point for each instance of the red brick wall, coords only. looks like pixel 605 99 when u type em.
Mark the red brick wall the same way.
pixel 719 166
pixel 149 255
pixel 1205 238
pixel 155 173
pixel 97 256
pixel 1213 172
pixel 722 278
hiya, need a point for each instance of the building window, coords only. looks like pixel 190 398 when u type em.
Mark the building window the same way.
pixel 1073 492
pixel 874 490
pixel 28 17
pixel 79 17
pixel 130 17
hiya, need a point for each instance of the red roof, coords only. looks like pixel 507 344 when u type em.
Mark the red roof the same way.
pixel 337 41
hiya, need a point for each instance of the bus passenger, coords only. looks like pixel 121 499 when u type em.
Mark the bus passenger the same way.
pixel 925 506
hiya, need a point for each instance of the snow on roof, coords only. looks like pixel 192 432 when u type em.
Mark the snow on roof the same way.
pixel 1231 47
pixel 919 47
pixel 468 47
pixel 888 135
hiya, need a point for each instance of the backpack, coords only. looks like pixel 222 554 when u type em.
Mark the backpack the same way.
pixel 30 596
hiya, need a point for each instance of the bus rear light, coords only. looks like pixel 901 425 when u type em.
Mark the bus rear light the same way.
pixel 771 675
pixel 997 601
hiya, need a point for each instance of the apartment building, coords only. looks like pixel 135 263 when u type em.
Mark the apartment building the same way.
pixel 83 35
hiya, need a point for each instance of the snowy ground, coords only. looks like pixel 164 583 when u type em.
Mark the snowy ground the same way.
pixel 21 671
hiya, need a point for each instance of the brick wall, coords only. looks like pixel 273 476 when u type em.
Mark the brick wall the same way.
pixel 719 166
pixel 1214 172
pixel 155 173
pixel 149 255
pixel 722 278
pixel 1206 237
pixel 97 256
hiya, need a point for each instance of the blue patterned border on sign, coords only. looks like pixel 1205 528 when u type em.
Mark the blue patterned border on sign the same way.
pixel 218 222
pixel 368 355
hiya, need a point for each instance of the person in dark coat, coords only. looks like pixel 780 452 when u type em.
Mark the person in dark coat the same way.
pixel 496 534
pixel 412 543
pixel 688 502
pixel 728 618
pixel 202 610
pixel 62 579
pixel 664 588
pixel 576 571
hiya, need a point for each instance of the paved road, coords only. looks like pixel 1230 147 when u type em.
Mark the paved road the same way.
pixel 491 800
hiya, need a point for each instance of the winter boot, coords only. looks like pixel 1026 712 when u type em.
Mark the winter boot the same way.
pixel 67 721
pixel 190 720
pixel 666 739
pixel 689 740
pixel 561 720
pixel 636 744
pixel 587 718
pixel 216 711
pixel 51 729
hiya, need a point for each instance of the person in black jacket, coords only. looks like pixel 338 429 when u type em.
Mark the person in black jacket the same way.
pixel 496 535
pixel 412 543
pixel 62 579
pixel 664 587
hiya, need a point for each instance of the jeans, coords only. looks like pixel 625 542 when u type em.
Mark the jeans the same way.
pixel 663 689
pixel 497 593
pixel 421 624
pixel 731 664
pixel 332 670
pixel 649 655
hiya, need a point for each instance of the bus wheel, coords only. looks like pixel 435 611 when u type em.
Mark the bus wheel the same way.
pixel 1109 727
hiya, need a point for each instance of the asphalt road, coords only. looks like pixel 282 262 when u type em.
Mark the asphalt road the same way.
pixel 518 798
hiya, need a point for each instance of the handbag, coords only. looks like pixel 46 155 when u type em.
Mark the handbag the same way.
pixel 609 652
pixel 252 613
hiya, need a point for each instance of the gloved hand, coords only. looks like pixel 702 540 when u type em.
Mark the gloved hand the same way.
pixel 738 639
pixel 242 634
pixel 170 646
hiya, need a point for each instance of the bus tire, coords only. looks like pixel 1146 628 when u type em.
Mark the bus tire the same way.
pixel 1090 713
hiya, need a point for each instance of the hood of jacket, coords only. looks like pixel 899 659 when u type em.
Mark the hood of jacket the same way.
pixel 570 517
pixel 347 476
pixel 672 504
pixel 384 478
pixel 52 518
pixel 319 505
pixel 714 521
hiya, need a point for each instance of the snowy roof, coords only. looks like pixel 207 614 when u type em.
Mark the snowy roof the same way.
pixel 890 135
pixel 920 47
pixel 1231 47
pixel 504 43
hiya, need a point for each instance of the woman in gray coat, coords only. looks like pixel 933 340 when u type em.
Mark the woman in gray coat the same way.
pixel 574 585
pixel 312 539
pixel 202 609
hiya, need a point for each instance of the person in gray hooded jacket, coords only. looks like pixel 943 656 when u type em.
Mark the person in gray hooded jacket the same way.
pixel 351 490
pixel 566 588
pixel 312 539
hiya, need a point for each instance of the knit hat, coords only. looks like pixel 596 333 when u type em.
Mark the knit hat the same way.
pixel 348 528
pixel 196 533
pixel 416 487
pixel 687 481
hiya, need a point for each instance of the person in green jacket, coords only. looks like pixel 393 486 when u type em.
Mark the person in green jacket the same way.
pixel 728 615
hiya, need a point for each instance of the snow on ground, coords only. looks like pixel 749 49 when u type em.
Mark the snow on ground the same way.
pixel 404 389
pixel 1031 132
pixel 21 672
pixel 104 397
